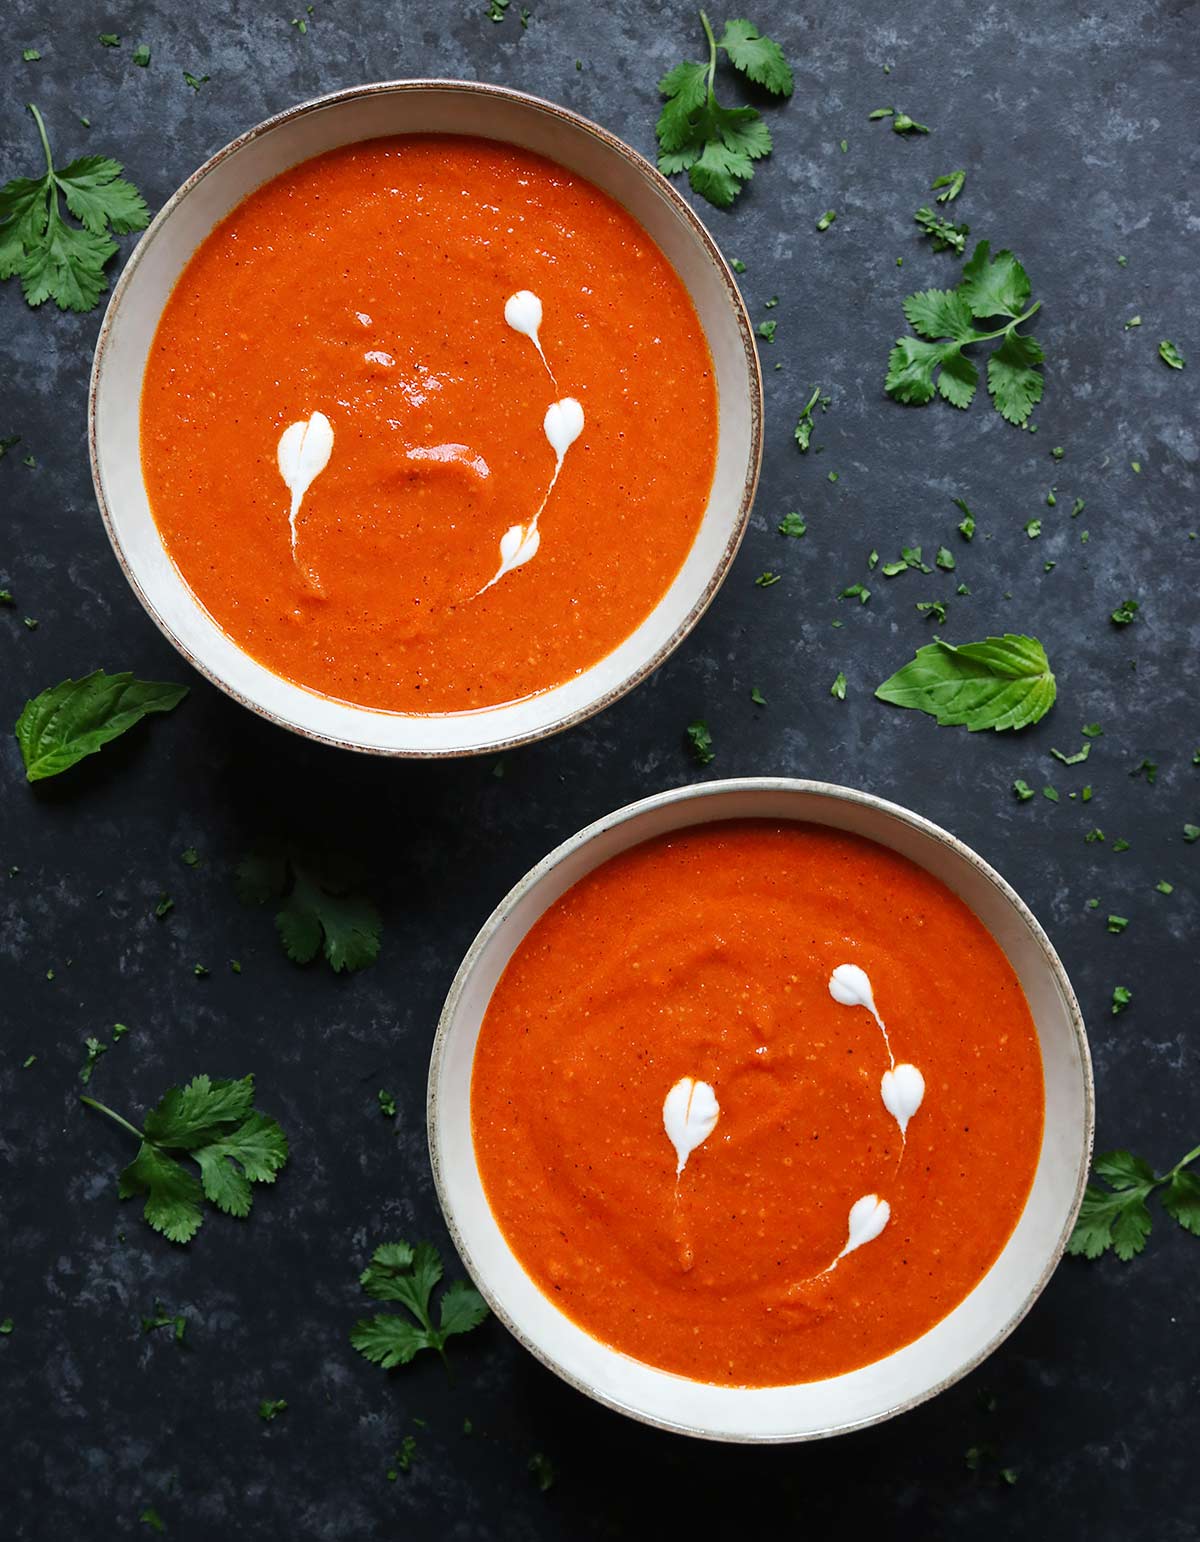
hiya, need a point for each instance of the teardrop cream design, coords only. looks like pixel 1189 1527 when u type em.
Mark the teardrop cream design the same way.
pixel 304 451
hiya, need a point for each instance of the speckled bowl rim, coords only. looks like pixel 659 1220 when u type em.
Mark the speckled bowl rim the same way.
pixel 733 295
pixel 698 792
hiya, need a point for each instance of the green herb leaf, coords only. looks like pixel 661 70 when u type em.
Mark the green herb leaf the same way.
pixel 56 260
pixel 407 1275
pixel 270 1408
pixel 1002 682
pixel 953 184
pixel 1121 997
pixel 1022 790
pixel 76 718
pixel 1118 1217
pixel 827 219
pixel 792 524
pixel 319 912
pixel 1125 613
pixel 1171 355
pixel 214 1123
pixel 804 425
pixel 945 235
pixel 700 742
pixel 838 688
pixel 715 145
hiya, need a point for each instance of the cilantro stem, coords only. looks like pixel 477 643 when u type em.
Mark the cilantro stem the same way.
pixel 104 1108
pixel 1185 1161
pixel 51 179
pixel 712 54
pixel 986 337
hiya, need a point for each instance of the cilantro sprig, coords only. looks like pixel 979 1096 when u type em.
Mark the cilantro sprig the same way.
pixel 54 259
pixel 214 1123
pixel 717 146
pixel 1118 1217
pixel 945 319
pixel 318 912
pixel 398 1272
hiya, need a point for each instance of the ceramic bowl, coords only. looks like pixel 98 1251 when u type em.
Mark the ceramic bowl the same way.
pixel 910 1375
pixel 367 112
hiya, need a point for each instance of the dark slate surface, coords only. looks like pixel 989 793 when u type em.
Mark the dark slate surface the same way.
pixel 1077 126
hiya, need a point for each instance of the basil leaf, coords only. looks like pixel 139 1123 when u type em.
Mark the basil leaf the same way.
pixel 76 718
pixel 1002 682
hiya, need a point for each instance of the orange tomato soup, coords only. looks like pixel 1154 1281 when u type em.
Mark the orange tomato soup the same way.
pixel 709 954
pixel 369 286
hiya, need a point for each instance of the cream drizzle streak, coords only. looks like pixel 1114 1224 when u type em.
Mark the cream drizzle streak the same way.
pixel 304 451
pixel 523 312
pixel 562 425
pixel 902 1088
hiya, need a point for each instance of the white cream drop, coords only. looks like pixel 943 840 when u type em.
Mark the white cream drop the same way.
pixel 868 1216
pixel 690 1114
pixel 523 312
pixel 902 1090
pixel 304 451
pixel 562 425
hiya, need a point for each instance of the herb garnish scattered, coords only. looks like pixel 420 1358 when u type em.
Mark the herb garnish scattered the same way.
pixel 945 235
pixel 838 688
pixel 1023 790
pixel 215 1123
pixel 717 146
pixel 1001 682
pixel 319 913
pixel 1171 355
pixel 56 260
pixel 195 81
pixel 952 182
pixel 1120 1219
pixel 543 1471
pixel 966 525
pixel 161 1318
pixel 387 1103
pixel 945 320
pixel 901 122
pixel 1121 997
pixel 792 524
pixel 858 592
pixel 827 219
pixel 804 425
pixel 398 1272
pixel 700 742
pixel 765 580
pixel 77 717
pixel 271 1407
pixel 1125 612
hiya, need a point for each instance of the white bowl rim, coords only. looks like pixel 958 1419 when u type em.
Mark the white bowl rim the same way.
pixel 732 293
pixel 700 790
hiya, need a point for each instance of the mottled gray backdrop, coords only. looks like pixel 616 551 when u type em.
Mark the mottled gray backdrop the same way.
pixel 1077 126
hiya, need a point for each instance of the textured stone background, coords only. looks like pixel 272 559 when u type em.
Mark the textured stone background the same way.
pixel 1077 126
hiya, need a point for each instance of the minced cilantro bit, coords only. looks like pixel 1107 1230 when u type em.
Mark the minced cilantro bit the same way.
pixel 1125 612
pixel 1051 793
pixel 700 741
pixel 270 1408
pixel 1023 790
pixel 94 1050
pixel 945 559
pixel 765 580
pixel 1073 760
pixel 827 219
pixel 30 55
pixel 766 330
pixel 110 40
pixel 1149 767
pixel 1092 730
pixel 792 524
pixel 1121 997
pixel 933 608
pixel 838 688
pixel 858 592
pixel 1093 836
pixel 150 1517
pixel 1164 887
pixel 195 81
pixel 952 183
pixel 141 56
pixel 1134 321
pixel 1033 528
pixel 804 424
pixel 6 1327
pixel 1057 452
pixel 1171 355
pixel 161 1318
pixel 1117 923
pixel 966 525
pixel 717 146
pixel 831 476
pixel 190 856
pixel 757 697
pixel 1136 465
pixel 403 1459
pixel 387 1103
pixel 1051 498
pixel 1120 844
pixel 1191 833
pixel 737 264
pixel 945 235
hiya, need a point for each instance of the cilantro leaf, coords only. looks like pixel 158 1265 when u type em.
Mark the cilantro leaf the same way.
pixel 408 1275
pixel 952 183
pixel 757 57
pixel 317 913
pixel 56 260
pixel 215 1124
pixel 700 742
pixel 717 146
pixel 1002 682
pixel 1118 1217
pixel 77 717
pixel 1170 355
pixel 946 322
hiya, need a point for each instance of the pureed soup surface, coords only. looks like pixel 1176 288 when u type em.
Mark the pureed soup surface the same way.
pixel 805 1235
pixel 380 305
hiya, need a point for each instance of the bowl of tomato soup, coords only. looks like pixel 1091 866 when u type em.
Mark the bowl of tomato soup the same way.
pixel 761 1110
pixel 426 418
